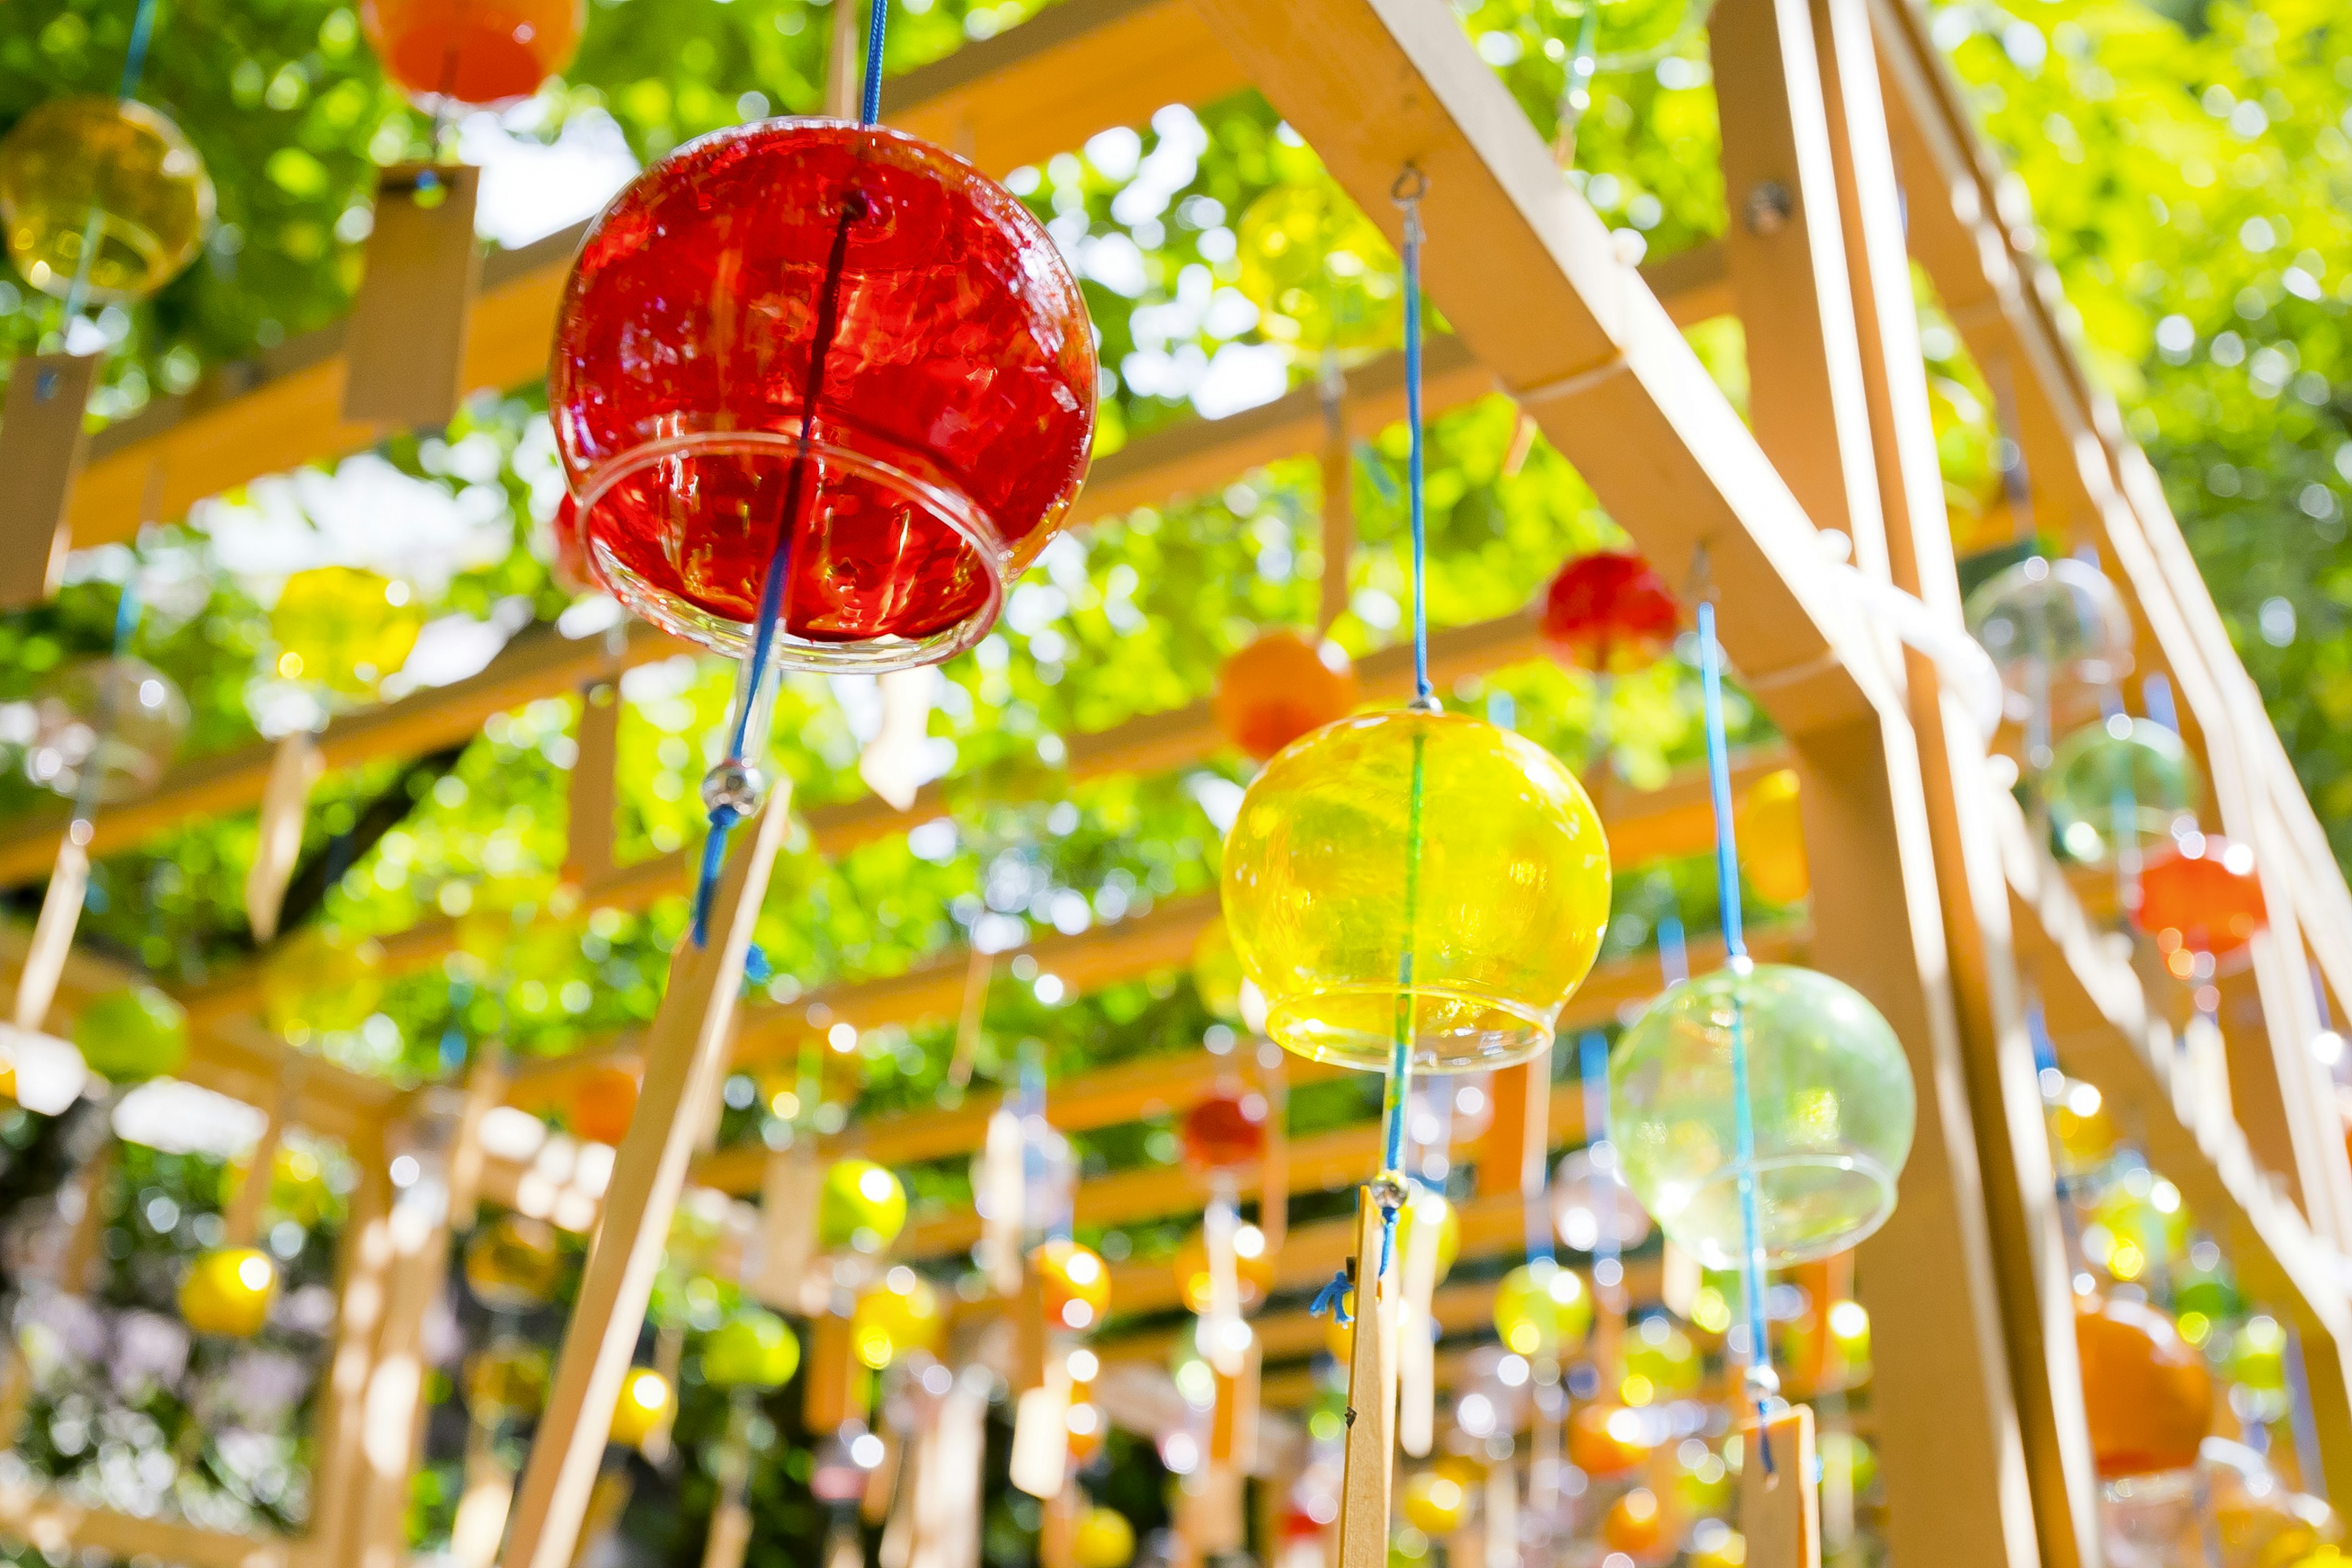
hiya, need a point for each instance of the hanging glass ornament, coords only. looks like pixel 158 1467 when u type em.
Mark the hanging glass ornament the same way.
pixel 2120 781
pixel 1281 687
pixel 897 1316
pixel 1665 1361
pixel 514 1262
pixel 1321 273
pixel 484 53
pixel 1252 1268
pixel 109 174
pixel 2146 1391
pixel 1542 1310
pixel 1772 839
pixel 1435 1503
pixel 602 1102
pixel 1076 1284
pixel 339 631
pixel 753 1349
pixel 131 1034
pixel 863 1207
pixel 1103 1539
pixel 1225 1131
pixel 507 1382
pixel 2200 892
pixel 938 451
pixel 1606 1441
pixel 322 981
pixel 117 714
pixel 1831 1098
pixel 1418 865
pixel 227 1292
pixel 1608 613
pixel 1590 1203
pixel 2051 623
pixel 1636 1526
pixel 644 1407
pixel 2086 1133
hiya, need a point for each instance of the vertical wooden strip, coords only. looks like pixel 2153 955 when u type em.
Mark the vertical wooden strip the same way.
pixel 336 1477
pixel 243 1221
pixel 1779 1511
pixel 405 344
pixel 41 449
pixel 832 1366
pixel 53 932
pixel 685 1059
pixel 846 63
pixel 1511 1154
pixel 294 771
pixel 393 1427
pixel 1371 1402
pixel 590 791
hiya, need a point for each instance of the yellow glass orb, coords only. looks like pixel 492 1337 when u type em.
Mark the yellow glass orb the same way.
pixel 343 629
pixel 1730 1551
pixel 1664 1359
pixel 77 169
pixel 1430 845
pixel 1542 1309
pixel 1103 1539
pixel 899 1315
pixel 1772 838
pixel 643 1408
pixel 513 1263
pixel 227 1292
pixel 2087 1134
pixel 1435 1503
pixel 1319 272
pixel 507 1382
pixel 1076 1284
pixel 322 981
pixel 1252 1268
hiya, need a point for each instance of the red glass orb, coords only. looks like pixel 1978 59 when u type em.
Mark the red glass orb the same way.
pixel 1224 1132
pixel 1608 613
pixel 602 1103
pixel 486 52
pixel 1279 688
pixel 2203 893
pixel 951 424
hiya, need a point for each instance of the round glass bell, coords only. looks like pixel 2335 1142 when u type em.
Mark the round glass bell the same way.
pixel 120 715
pixel 2146 1390
pixel 1076 1284
pixel 486 53
pixel 862 1207
pixel 1771 832
pixel 132 1034
pixel 227 1292
pixel 1590 1203
pixel 754 1349
pixel 1321 273
pixel 103 190
pixel 513 1263
pixel 2049 622
pixel 340 630
pixel 2122 780
pixel 1608 613
pixel 2200 892
pixel 1831 1103
pixel 644 1409
pixel 1416 870
pixel 897 1316
pixel 1435 1503
pixel 1103 1539
pixel 1253 1269
pixel 1223 1131
pixel 1542 1309
pixel 1281 687
pixel 602 1103
pixel 507 1382
pixel 914 467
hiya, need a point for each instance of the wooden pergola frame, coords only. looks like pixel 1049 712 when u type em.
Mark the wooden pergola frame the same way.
pixel 1929 893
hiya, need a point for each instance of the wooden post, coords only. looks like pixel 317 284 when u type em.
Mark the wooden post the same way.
pixel 367 1253
pixel 686 1057
pixel 41 446
pixel 294 771
pixel 394 1404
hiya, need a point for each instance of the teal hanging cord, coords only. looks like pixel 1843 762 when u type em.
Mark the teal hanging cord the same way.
pixel 1762 1383
pixel 134 67
pixel 876 32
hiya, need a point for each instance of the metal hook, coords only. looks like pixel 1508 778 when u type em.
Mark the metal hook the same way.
pixel 1698 582
pixel 1410 187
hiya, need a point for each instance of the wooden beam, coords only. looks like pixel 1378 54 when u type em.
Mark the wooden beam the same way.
pixel 1527 276
pixel 50 1523
pixel 1849 422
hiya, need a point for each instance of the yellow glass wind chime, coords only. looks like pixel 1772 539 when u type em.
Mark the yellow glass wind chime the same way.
pixel 1383 946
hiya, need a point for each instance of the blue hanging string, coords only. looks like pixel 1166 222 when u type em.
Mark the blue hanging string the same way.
pixel 1761 1382
pixel 1592 1052
pixel 134 58
pixel 1332 1300
pixel 1674 952
pixel 1409 188
pixel 874 32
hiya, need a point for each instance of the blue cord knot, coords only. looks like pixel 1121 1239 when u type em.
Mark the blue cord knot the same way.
pixel 1333 1299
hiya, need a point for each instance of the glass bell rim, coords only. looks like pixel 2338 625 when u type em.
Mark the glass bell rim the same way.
pixel 733 639
pixel 1711 1256
pixel 1285 1015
